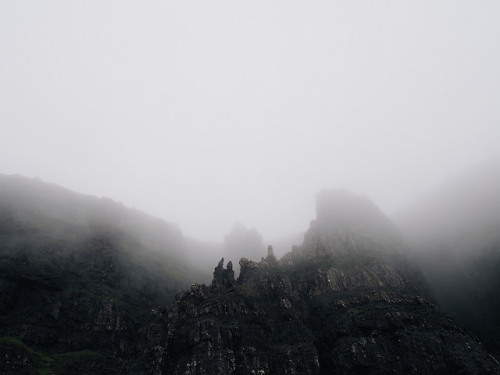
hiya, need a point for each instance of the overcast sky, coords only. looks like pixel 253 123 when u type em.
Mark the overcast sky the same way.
pixel 209 112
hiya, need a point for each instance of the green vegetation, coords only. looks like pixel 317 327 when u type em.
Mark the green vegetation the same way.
pixel 81 363
pixel 77 363
pixel 41 362
pixel 353 311
pixel 246 291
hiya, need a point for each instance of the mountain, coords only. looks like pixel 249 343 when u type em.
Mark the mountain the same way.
pixel 80 275
pixel 242 242
pixel 343 302
pixel 455 231
pixel 84 292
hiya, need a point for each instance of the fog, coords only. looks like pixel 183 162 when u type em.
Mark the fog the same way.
pixel 460 218
pixel 211 113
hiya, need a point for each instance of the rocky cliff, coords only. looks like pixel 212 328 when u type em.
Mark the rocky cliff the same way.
pixel 341 303
pixel 346 301
pixel 79 277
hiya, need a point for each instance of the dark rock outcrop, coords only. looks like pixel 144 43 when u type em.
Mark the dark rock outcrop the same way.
pixel 337 304
pixel 224 277
pixel 79 278
pixel 94 300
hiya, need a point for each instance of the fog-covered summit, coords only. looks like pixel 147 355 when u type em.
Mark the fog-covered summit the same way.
pixel 39 203
pixel 89 286
pixel 340 209
pixel 351 225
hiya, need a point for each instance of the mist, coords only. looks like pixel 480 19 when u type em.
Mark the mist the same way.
pixel 454 233
pixel 210 114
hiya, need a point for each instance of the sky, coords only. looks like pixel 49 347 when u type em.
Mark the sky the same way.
pixel 209 113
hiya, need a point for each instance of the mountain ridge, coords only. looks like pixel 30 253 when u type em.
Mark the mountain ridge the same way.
pixel 320 309
pixel 94 300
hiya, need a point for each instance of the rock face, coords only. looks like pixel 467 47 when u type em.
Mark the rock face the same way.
pixel 224 277
pixel 250 327
pixel 79 278
pixel 338 304
pixel 344 302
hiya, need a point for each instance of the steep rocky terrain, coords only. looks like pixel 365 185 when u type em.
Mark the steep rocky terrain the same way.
pixel 340 303
pixel 85 299
pixel 79 277
pixel 455 231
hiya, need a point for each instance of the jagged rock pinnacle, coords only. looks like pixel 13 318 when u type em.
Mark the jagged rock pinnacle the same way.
pixel 223 277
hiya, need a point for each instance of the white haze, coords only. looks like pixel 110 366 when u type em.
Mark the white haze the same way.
pixel 209 112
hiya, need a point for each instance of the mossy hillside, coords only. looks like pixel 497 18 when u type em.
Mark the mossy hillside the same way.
pixel 31 361
pixel 82 362
pixel 21 357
